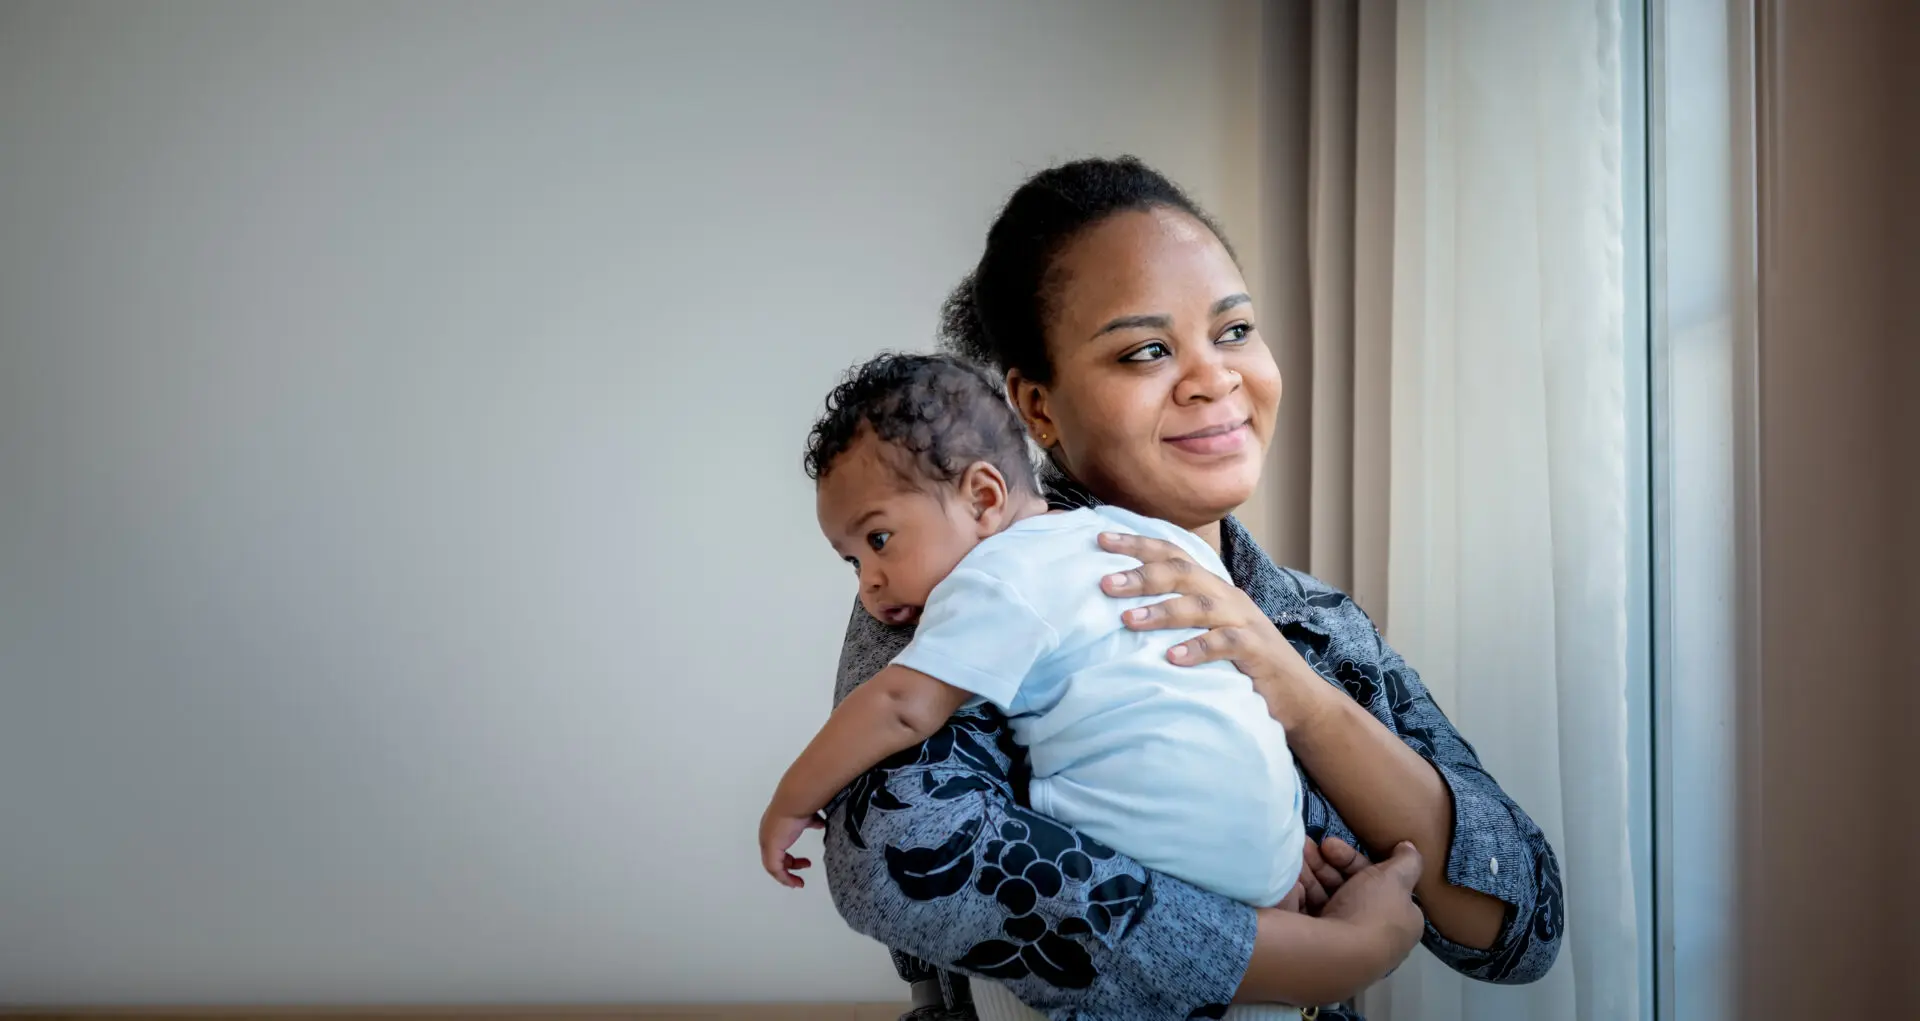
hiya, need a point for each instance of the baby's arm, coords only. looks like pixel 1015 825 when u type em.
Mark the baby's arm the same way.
pixel 896 709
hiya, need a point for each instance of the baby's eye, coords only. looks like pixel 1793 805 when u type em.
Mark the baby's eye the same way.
pixel 1148 353
pixel 878 540
pixel 853 562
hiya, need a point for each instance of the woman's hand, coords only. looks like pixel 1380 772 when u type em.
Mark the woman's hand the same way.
pixel 1380 899
pixel 1236 629
pixel 1329 864
pixel 1365 931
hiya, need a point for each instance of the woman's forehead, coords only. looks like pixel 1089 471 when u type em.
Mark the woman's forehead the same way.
pixel 1159 261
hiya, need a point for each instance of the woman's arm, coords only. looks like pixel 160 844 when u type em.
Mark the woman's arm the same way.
pixel 931 854
pixel 1387 793
pixel 1394 768
pixel 1494 848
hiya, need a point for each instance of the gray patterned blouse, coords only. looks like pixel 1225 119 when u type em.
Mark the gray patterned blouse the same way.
pixel 936 854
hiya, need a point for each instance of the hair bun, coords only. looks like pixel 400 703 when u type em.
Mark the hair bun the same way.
pixel 962 330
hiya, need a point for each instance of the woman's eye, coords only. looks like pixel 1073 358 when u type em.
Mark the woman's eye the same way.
pixel 1150 353
pixel 878 540
pixel 1236 334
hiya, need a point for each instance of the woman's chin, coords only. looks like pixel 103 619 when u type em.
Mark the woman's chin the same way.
pixel 1224 487
pixel 1188 495
pixel 1206 499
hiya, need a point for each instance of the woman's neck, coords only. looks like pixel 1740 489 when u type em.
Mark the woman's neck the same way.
pixel 1055 478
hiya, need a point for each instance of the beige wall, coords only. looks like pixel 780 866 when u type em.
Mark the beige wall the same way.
pixel 408 587
pixel 1830 904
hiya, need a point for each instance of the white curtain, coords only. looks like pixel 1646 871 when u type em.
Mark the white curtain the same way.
pixel 1507 550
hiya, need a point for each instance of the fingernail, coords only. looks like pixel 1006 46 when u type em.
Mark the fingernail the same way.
pixel 1179 652
pixel 1117 580
pixel 1136 616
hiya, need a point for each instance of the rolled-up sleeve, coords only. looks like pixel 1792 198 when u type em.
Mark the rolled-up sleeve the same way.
pixel 1497 849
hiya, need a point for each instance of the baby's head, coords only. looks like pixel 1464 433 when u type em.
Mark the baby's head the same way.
pixel 916 459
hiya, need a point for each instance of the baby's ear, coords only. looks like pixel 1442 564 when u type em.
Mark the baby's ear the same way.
pixel 985 491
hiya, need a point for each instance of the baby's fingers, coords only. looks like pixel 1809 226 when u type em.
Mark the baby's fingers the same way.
pixel 794 865
pixel 781 866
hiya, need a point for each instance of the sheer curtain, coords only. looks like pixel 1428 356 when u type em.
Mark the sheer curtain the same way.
pixel 1446 288
pixel 1327 212
pixel 1508 519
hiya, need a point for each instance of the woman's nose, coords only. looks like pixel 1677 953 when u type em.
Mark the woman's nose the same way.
pixel 1205 377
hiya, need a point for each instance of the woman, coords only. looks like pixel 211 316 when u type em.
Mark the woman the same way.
pixel 1130 348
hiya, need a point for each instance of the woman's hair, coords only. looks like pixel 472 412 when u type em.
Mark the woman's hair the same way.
pixel 942 413
pixel 997 315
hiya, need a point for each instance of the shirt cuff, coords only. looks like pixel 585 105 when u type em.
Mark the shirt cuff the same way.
pixel 1486 855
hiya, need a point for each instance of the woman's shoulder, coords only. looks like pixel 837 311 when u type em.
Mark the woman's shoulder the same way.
pixel 1283 592
pixel 1320 597
pixel 865 650
pixel 1327 609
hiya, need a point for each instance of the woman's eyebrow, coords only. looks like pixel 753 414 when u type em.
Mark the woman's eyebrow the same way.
pixel 1165 322
pixel 1230 301
pixel 1151 322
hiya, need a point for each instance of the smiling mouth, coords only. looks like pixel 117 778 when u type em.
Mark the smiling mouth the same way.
pixel 1218 439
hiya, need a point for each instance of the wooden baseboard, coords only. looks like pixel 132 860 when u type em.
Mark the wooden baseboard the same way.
pixel 652 1012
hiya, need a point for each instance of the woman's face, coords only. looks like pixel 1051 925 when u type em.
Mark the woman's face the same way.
pixel 1164 394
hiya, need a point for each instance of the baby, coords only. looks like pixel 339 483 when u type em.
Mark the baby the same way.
pixel 925 487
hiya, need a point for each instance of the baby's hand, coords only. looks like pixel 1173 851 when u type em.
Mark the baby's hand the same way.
pixel 778 833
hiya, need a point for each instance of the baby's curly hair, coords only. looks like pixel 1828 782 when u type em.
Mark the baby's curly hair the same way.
pixel 944 413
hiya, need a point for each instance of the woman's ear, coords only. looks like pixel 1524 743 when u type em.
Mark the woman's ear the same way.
pixel 984 492
pixel 1030 400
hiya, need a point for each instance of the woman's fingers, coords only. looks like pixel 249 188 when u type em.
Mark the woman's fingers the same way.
pixel 1313 894
pixel 1343 856
pixel 1330 877
pixel 1197 610
pixel 1228 643
pixel 1139 547
pixel 1157 578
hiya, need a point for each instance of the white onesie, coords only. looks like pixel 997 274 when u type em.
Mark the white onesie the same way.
pixel 1179 767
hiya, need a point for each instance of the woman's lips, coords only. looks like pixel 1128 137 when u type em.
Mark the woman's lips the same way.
pixel 1220 439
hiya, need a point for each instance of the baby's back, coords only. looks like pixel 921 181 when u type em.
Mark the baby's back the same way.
pixel 1180 767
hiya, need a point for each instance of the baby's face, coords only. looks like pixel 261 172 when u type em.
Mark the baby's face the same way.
pixel 902 541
